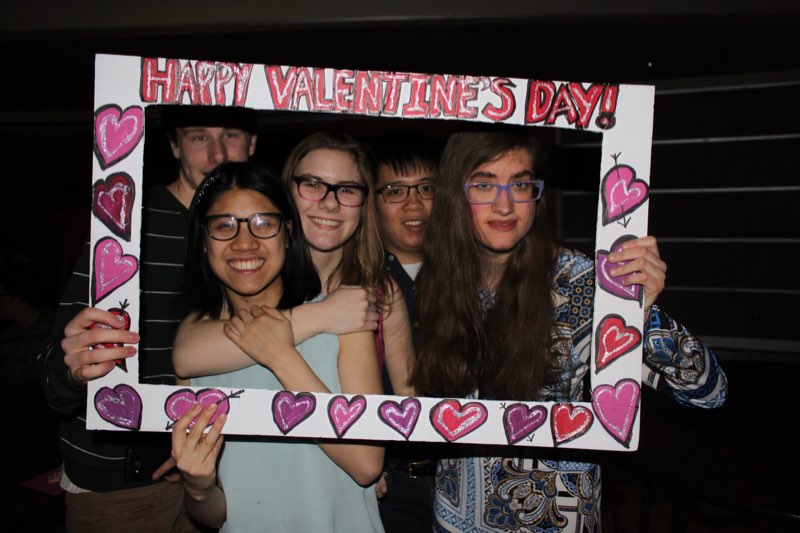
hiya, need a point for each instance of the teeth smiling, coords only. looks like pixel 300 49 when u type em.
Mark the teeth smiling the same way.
pixel 326 222
pixel 412 223
pixel 246 264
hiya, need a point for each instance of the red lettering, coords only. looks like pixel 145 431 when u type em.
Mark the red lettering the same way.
pixel 467 92
pixel 585 101
pixel 508 104
pixel 152 78
pixel 319 91
pixel 394 82
pixel 302 89
pixel 187 84
pixel 281 87
pixel 368 93
pixel 343 91
pixel 224 75
pixel 206 71
pixel 444 95
pixel 242 73
pixel 540 98
pixel 417 106
pixel 608 106
pixel 563 105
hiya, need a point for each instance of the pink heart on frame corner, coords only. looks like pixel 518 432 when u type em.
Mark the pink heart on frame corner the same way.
pixel 120 406
pixel 111 268
pixel 116 133
pixel 616 408
pixel 622 193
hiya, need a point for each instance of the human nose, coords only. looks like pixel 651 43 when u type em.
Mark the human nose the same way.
pixel 329 202
pixel 244 240
pixel 216 152
pixel 503 204
pixel 413 200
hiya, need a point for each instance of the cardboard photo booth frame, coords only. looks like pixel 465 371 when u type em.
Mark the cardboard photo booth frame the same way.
pixel 623 114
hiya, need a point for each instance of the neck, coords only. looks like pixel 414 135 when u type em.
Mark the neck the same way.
pixel 270 297
pixel 326 263
pixel 494 265
pixel 182 191
pixel 406 258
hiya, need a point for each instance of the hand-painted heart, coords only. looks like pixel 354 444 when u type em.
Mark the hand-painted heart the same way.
pixel 401 417
pixel 614 284
pixel 452 421
pixel 182 400
pixel 289 409
pixel 616 408
pixel 622 193
pixel 121 406
pixel 112 269
pixel 116 133
pixel 344 413
pixel 614 339
pixel 112 203
pixel 569 422
pixel 520 421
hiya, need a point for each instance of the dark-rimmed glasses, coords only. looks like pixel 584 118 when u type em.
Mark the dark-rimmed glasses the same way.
pixel 520 191
pixel 315 190
pixel 398 193
pixel 226 227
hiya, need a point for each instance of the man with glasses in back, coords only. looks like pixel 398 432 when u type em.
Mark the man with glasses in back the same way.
pixel 405 174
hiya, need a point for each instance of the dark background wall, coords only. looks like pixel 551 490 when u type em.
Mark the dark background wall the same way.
pixel 724 170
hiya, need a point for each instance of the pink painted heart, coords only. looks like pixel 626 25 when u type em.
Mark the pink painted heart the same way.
pixel 452 421
pixel 182 400
pixel 616 408
pixel 622 193
pixel 112 203
pixel 569 422
pixel 112 268
pixel 116 133
pixel 289 409
pixel 121 406
pixel 520 421
pixel 343 412
pixel 614 339
pixel 401 417
pixel 614 284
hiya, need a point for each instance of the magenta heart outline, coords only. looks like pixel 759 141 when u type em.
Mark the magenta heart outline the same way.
pixel 289 409
pixel 470 417
pixel 120 406
pixel 116 133
pixel 112 203
pixel 401 417
pixel 572 431
pixel 112 268
pixel 616 324
pixel 519 421
pixel 622 192
pixel 616 407
pixel 182 400
pixel 343 413
pixel 613 284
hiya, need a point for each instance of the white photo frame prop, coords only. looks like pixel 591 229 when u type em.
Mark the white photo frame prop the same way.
pixel 623 114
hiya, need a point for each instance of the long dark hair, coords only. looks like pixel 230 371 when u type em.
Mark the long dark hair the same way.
pixel 362 255
pixel 505 353
pixel 205 294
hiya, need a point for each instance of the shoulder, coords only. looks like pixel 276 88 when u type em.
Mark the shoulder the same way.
pixel 573 265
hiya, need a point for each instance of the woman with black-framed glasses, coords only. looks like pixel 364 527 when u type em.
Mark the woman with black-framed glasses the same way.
pixel 249 277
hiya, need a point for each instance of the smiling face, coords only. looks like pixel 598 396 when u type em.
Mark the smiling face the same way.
pixel 402 225
pixel 501 225
pixel 248 267
pixel 326 224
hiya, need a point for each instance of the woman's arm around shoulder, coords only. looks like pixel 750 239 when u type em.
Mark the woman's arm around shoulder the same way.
pixel 201 348
pixel 397 344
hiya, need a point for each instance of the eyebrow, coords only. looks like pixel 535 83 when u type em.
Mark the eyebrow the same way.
pixel 425 179
pixel 489 175
pixel 317 178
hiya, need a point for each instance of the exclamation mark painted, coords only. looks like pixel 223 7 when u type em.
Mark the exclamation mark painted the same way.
pixel 608 106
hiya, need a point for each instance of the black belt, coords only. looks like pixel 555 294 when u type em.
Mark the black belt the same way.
pixel 415 469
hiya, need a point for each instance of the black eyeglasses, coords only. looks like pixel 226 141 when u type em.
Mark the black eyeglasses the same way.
pixel 398 193
pixel 315 190
pixel 226 227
